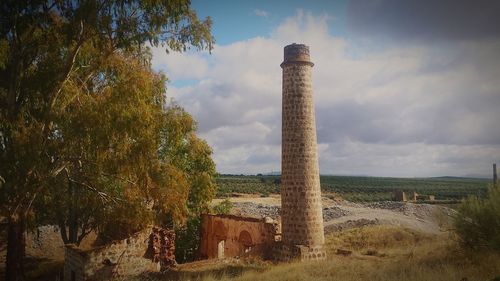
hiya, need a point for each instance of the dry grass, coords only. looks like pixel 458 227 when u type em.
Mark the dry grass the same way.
pixel 386 253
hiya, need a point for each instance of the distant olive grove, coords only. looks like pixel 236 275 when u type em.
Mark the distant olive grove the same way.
pixel 362 189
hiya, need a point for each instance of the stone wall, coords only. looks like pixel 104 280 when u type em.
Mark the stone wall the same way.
pixel 46 242
pixel 230 236
pixel 301 210
pixel 120 258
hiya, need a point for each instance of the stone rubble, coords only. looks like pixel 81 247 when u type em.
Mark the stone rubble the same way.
pixel 330 213
pixel 409 209
pixel 350 224
pixel 249 209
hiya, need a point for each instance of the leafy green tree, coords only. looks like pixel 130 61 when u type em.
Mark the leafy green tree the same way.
pixel 478 221
pixel 50 53
pixel 180 147
pixel 107 132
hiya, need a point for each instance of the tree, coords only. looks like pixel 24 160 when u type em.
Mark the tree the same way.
pixel 107 134
pixel 42 59
pixel 182 148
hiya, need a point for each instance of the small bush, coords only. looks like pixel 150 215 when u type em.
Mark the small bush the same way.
pixel 187 240
pixel 478 221
pixel 223 207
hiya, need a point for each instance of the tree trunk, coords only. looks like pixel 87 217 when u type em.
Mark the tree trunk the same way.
pixel 16 246
pixel 72 219
pixel 64 233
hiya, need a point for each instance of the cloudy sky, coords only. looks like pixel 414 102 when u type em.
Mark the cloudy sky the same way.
pixel 401 88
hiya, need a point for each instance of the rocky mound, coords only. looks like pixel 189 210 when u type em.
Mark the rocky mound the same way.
pixel 249 209
pixel 410 209
pixel 334 212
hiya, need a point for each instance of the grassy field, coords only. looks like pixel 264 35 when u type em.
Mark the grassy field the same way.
pixel 378 253
pixel 358 189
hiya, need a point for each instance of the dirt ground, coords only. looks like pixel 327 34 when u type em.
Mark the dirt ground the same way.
pixel 426 218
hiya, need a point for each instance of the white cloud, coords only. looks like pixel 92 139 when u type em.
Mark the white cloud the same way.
pixel 231 136
pixel 180 66
pixel 405 111
pixel 405 160
pixel 260 13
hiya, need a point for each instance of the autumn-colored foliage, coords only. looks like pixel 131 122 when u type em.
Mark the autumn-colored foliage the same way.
pixel 82 117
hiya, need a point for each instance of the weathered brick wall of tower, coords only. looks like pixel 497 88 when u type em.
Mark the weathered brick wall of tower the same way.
pixel 301 209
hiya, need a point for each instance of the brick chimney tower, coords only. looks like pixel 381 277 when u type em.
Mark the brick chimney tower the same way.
pixel 301 209
pixel 495 179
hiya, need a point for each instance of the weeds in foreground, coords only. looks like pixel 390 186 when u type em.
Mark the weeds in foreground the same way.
pixel 379 253
pixel 478 221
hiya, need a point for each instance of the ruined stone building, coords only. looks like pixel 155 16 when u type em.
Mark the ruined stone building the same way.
pixel 301 209
pixel 399 195
pixel 417 197
pixel 149 250
pixel 225 236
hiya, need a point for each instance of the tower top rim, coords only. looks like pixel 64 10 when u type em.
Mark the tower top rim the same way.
pixel 296 53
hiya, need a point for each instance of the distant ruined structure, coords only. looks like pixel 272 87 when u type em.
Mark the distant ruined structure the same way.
pixel 301 209
pixel 399 195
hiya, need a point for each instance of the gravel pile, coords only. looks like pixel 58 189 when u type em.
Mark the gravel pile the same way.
pixel 331 213
pixel 411 209
pixel 350 224
pixel 249 209
pixel 389 205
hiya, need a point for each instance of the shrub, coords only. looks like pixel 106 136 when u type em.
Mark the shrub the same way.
pixel 223 207
pixel 477 222
pixel 187 240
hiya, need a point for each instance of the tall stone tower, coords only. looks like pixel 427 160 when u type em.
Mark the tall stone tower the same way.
pixel 495 179
pixel 301 209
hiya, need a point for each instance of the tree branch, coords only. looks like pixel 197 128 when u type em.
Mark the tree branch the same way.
pixel 82 235
pixel 67 69
pixel 102 195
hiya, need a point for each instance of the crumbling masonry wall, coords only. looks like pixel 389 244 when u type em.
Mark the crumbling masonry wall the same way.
pixel 230 236
pixel 128 257
pixel 161 247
